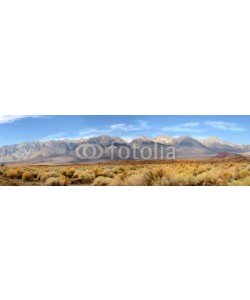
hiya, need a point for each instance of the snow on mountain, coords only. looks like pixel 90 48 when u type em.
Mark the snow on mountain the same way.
pixel 65 150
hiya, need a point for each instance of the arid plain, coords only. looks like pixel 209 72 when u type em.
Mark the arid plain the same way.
pixel 233 171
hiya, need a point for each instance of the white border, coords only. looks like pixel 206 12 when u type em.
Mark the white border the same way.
pixel 124 243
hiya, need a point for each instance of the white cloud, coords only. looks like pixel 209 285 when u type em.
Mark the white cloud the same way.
pixel 186 127
pixel 91 132
pixel 191 124
pixel 56 136
pixel 118 126
pixel 12 118
pixel 224 126
pixel 117 129
pixel 129 127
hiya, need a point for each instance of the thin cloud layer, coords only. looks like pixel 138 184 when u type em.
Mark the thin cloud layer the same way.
pixel 129 127
pixel 4 119
pixel 115 129
pixel 186 127
pixel 196 127
pixel 56 136
pixel 224 125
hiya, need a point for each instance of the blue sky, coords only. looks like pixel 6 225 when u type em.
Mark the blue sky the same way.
pixel 16 129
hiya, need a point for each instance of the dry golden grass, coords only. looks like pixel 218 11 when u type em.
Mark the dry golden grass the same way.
pixel 26 176
pixel 56 181
pixel 84 176
pixel 45 175
pixel 68 172
pixel 101 181
pixel 13 174
pixel 135 173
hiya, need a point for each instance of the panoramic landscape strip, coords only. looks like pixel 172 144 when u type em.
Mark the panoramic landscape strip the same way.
pixel 112 150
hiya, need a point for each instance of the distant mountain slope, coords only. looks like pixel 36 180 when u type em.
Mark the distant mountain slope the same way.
pixel 60 151
pixel 187 146
pixel 229 157
pixel 222 155
pixel 217 145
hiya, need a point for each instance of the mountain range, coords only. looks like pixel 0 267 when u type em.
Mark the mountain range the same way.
pixel 64 151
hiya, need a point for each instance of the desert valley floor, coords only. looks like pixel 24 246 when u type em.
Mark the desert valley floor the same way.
pixel 234 171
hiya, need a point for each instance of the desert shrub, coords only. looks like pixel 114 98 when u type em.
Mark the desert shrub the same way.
pixel 69 172
pixel 134 173
pixel 13 174
pixel 87 177
pixel 220 177
pixel 98 171
pixel 13 183
pixel 102 181
pixel 205 178
pixel 108 173
pixel 74 181
pixel 227 174
pixel 230 174
pixel 121 169
pixel 77 173
pixel 202 178
pixel 84 176
pixel 34 173
pixel 45 175
pixel 116 170
pixel 170 178
pixel 136 180
pixel 182 179
pixel 26 176
pixel 242 174
pixel 156 176
pixel 56 181
pixel 201 169
pixel 241 182
pixel 2 182
pixel 118 180
pixel 162 176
